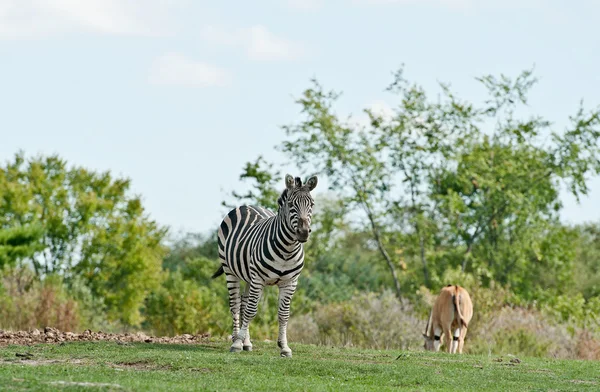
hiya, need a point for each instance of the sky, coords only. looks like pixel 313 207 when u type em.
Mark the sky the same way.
pixel 177 95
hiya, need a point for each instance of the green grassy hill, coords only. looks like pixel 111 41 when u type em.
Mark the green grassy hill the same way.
pixel 210 367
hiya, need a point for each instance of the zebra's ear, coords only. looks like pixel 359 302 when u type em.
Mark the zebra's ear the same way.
pixel 289 182
pixel 311 183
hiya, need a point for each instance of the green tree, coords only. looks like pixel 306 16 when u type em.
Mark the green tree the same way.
pixel 19 243
pixel 449 183
pixel 191 246
pixel 92 228
pixel 420 137
pixel 265 189
pixel 498 198
pixel 351 159
pixel 587 260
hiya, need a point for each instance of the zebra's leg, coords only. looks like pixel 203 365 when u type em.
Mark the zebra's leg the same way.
pixel 254 293
pixel 286 292
pixel 233 286
pixel 247 344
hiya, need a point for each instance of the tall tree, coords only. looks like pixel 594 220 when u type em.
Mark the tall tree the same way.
pixel 92 227
pixel 19 243
pixel 448 181
pixel 349 157
pixel 499 199
pixel 265 188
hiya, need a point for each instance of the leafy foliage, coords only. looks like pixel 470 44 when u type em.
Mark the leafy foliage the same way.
pixel 88 227
pixel 431 192
pixel 445 183
pixel 19 243
pixel 182 306
pixel 266 188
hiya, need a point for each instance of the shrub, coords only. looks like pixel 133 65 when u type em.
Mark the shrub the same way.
pixel 368 320
pixel 521 331
pixel 190 301
pixel 182 306
pixel 27 303
pixel 588 346
pixel 574 310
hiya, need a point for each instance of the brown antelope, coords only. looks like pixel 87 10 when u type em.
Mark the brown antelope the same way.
pixel 450 316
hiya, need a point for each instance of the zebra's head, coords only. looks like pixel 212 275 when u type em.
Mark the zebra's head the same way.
pixel 298 203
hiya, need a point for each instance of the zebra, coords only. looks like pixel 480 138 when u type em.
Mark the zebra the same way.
pixel 262 249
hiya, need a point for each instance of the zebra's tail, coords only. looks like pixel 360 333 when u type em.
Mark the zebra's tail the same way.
pixel 219 272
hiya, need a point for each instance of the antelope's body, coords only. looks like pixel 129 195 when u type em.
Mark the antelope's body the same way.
pixel 450 317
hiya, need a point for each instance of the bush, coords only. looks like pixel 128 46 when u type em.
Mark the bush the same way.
pixel 368 320
pixel 27 303
pixel 574 310
pixel 522 331
pixel 92 310
pixel 182 306
pixel 588 346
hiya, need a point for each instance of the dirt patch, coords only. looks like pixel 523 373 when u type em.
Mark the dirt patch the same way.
pixel 40 362
pixel 584 382
pixel 447 358
pixel 53 335
pixel 201 370
pixel 141 365
pixel 544 371
pixel 86 384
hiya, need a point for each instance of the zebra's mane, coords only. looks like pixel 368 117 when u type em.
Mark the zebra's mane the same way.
pixel 282 198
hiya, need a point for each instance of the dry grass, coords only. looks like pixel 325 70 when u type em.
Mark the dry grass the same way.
pixel 588 346
pixel 368 321
pixel 27 303
pixel 382 322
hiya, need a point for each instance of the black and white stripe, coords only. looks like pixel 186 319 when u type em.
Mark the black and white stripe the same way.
pixel 262 249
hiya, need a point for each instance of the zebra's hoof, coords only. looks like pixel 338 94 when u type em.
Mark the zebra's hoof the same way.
pixel 247 348
pixel 286 353
pixel 236 347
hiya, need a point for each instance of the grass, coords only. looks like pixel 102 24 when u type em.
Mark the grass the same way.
pixel 210 367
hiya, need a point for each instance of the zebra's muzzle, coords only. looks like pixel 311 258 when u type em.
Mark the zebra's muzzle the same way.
pixel 302 235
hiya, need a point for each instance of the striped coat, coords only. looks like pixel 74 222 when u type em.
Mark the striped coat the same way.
pixel 263 248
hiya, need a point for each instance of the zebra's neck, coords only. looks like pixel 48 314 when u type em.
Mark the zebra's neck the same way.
pixel 283 237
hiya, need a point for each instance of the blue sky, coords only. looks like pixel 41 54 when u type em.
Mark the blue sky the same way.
pixel 178 95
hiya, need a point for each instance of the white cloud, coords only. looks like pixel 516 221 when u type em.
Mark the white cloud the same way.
pixel 220 36
pixel 264 45
pixel 447 3
pixel 257 41
pixel 305 5
pixel 177 70
pixel 39 18
pixel 462 4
